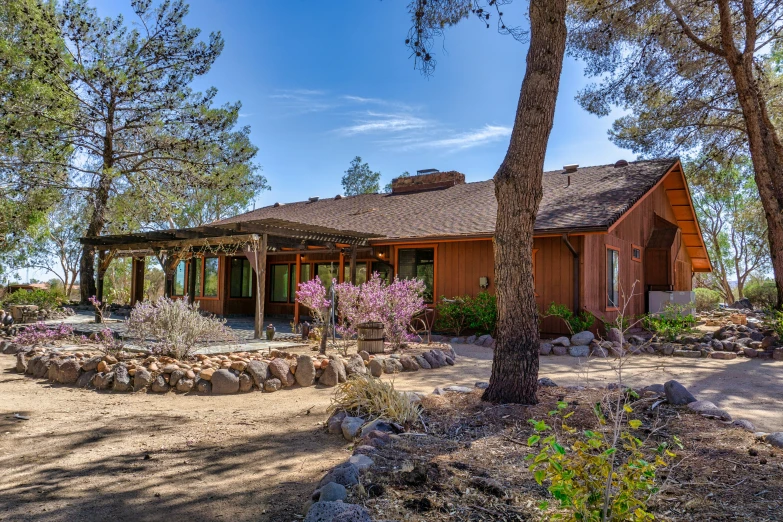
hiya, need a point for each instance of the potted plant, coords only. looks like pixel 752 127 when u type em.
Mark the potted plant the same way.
pixel 270 332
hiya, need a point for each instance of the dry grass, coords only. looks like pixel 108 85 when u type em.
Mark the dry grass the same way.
pixel 364 395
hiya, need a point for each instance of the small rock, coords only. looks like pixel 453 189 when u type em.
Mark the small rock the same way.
pixel 559 349
pixel 332 491
pixel 364 355
pixel 655 388
pixel 339 365
pixel 422 362
pixel 185 385
pixel 362 462
pixel 355 366
pixel 579 350
pixel 379 425
pixel 409 364
pixel 351 426
pixel 305 370
pixel 334 424
pixel 483 385
pixel 544 348
pixel 431 359
pixel 21 363
pixel 91 363
pixel 458 389
pixel 744 424
pixel 103 380
pixel 600 351
pixel 376 367
pixel 141 379
pixel 176 375
pixel 259 370
pixel 546 381
pixel 775 439
pixel 337 512
pixel 391 365
pixel 615 335
pixel 85 379
pixel 345 474
pixel 561 341
pixel 723 355
pixel 272 385
pixel 331 376
pixel 282 371
pixel 691 354
pixel 159 385
pixel 582 338
pixel 224 382
pixel 204 387
pixel 206 374
pixel 121 379
pixel 245 383
pixel 677 394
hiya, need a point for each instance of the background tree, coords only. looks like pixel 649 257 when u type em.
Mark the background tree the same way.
pixel 388 187
pixel 140 135
pixel 733 224
pixel 360 179
pixel 518 187
pixel 695 76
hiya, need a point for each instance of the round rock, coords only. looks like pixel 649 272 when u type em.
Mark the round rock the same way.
pixel 224 382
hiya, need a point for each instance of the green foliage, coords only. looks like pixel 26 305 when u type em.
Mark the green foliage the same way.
pixel 479 314
pixel 707 299
pixel 360 179
pixel 610 470
pixel 671 323
pixel 575 323
pixel 43 299
pixel 762 293
pixel 388 187
pixel 777 322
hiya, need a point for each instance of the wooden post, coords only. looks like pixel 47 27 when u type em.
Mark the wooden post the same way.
pixel 137 280
pixel 341 270
pixel 104 259
pixel 353 265
pixel 298 276
pixel 192 280
pixel 260 259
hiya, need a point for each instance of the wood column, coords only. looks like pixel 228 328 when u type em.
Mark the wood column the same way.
pixel 353 265
pixel 341 270
pixel 137 280
pixel 260 261
pixel 298 276
pixel 192 279
pixel 104 259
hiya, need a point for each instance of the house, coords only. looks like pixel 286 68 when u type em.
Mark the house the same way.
pixel 604 236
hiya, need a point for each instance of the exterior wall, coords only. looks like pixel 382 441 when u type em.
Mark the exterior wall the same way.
pixel 634 230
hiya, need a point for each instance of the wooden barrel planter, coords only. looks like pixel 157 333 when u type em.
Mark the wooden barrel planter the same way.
pixel 370 337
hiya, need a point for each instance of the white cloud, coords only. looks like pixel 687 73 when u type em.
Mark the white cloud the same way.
pixel 474 138
pixel 375 122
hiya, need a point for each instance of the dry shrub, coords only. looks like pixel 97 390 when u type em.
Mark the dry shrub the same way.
pixel 365 395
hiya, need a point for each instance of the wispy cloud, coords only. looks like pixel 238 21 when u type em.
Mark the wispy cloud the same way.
pixel 474 138
pixel 376 122
pixel 303 100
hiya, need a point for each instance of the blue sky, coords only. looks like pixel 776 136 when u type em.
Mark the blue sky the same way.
pixel 322 82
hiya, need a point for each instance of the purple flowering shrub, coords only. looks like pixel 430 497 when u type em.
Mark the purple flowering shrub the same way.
pixel 40 333
pixel 108 344
pixel 312 294
pixel 174 327
pixel 393 305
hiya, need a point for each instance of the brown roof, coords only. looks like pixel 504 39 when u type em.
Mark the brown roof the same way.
pixel 596 198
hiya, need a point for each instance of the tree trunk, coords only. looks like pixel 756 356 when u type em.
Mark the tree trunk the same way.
pixel 766 150
pixel 518 191
pixel 94 229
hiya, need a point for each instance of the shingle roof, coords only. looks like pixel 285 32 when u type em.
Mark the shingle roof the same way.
pixel 596 198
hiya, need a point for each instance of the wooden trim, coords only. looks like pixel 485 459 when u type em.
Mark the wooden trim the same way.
pixel 641 199
pixel 296 287
pixel 608 308
pixel 535 250
pixel 482 237
pixel 641 253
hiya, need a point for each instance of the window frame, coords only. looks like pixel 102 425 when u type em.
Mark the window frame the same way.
pixel 201 262
pixel 641 253
pixel 243 260
pixel 422 246
pixel 607 306
pixel 184 280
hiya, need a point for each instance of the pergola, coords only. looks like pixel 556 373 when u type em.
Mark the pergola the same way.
pixel 255 239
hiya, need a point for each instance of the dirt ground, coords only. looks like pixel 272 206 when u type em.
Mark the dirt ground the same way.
pixel 91 456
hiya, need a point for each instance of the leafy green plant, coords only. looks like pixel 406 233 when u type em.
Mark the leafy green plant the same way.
pixel 479 313
pixel 672 322
pixel 762 294
pixel 706 299
pixel 777 322
pixel 43 299
pixel 574 322
pixel 603 475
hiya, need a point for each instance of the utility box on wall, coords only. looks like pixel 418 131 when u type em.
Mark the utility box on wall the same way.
pixel 657 301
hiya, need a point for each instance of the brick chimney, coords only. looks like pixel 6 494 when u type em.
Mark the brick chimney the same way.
pixel 428 181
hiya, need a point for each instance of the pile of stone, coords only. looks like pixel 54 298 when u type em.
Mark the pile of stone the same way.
pixel 726 316
pixel 479 340
pixel 578 345
pixel 210 374
pixel 22 314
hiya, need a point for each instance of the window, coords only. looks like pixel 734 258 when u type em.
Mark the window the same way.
pixel 210 277
pixel 418 263
pixel 279 279
pixel 179 280
pixel 384 270
pixel 326 272
pixel 361 273
pixel 612 278
pixel 304 275
pixel 241 277
pixel 199 270
pixel 636 253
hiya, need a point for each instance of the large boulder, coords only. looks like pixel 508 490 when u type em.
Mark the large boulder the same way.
pixel 332 492
pixel 351 426
pixel 224 382
pixel 141 379
pixel 677 394
pixel 159 385
pixel 431 359
pixel 741 304
pixel 21 363
pixel 121 378
pixel 259 370
pixel 562 341
pixel 280 369
pixel 355 365
pixel 376 367
pixel 579 350
pixel 305 370
pixel 185 385
pixel 339 365
pixel 409 364
pixel 392 365
pixel 331 375
pixel 422 362
pixel 582 338
pixel 103 380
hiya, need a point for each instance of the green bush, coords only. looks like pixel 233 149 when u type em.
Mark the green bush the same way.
pixel 479 314
pixel 43 299
pixel 671 323
pixel 575 323
pixel 706 299
pixel 762 294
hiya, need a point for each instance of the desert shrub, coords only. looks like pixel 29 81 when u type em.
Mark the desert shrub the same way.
pixel 367 396
pixel 174 327
pixel 673 321
pixel 479 314
pixel 706 299
pixel 574 322
pixel 43 299
pixel 762 294
pixel 607 474
pixel 107 343
pixel 39 333
pixel 777 322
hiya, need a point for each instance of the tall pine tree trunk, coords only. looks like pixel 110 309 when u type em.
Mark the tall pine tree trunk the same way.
pixel 87 285
pixel 518 191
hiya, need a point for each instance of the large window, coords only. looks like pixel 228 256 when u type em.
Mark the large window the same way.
pixel 361 273
pixel 304 275
pixel 418 263
pixel 179 279
pixel 210 277
pixel 279 279
pixel 326 272
pixel 612 278
pixel 241 277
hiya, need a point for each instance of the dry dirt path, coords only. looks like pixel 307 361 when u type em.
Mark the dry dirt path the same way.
pixel 91 456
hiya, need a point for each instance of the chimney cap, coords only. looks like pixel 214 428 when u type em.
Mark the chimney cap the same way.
pixel 426 171
pixel 569 169
pixel 313 199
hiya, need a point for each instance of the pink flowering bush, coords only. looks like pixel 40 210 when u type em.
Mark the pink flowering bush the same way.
pixel 393 305
pixel 40 333
pixel 312 294
pixel 173 327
